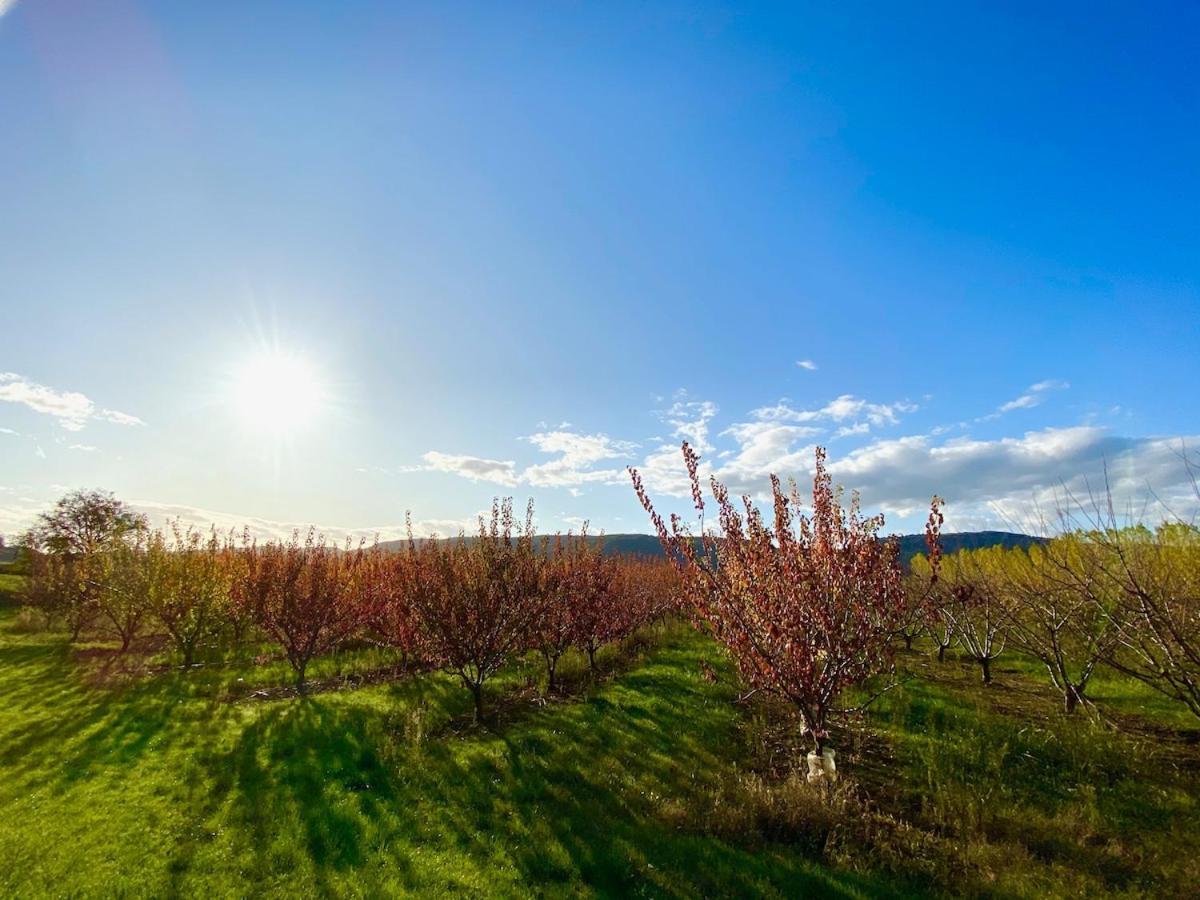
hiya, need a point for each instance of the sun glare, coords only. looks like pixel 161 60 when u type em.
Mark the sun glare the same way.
pixel 277 392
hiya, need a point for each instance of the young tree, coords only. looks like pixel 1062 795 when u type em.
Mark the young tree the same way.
pixel 479 601
pixel 941 630
pixel 920 587
pixel 1150 594
pixel 306 594
pixel 806 606
pixel 195 587
pixel 1051 618
pixel 385 585
pixel 1145 585
pixel 642 591
pixel 238 613
pixel 596 606
pixel 915 617
pixel 64 588
pixel 554 629
pixel 130 583
pixel 971 599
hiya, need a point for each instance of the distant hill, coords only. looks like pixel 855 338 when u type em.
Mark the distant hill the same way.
pixel 910 544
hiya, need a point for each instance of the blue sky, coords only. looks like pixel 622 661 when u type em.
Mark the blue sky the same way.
pixel 513 248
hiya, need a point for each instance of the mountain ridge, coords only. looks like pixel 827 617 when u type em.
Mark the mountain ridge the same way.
pixel 634 544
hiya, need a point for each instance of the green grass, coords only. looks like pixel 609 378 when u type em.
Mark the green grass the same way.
pixel 10 586
pixel 122 785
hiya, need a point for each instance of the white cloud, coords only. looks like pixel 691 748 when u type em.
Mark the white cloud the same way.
pixel 6 6
pixel 1013 480
pixel 18 513
pixel 72 409
pixel 577 454
pixel 161 514
pixel 689 419
pixel 763 448
pixel 475 468
pixel 851 430
pixel 119 418
pixel 1033 397
pixel 807 364
pixel 1005 482
pixel 1025 401
pixel 776 436
pixel 840 409
pixel 992 483
pixel 86 448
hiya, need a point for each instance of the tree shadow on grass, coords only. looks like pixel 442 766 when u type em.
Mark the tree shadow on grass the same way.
pixel 575 794
pixel 333 793
pixel 568 797
pixel 308 765
pixel 49 710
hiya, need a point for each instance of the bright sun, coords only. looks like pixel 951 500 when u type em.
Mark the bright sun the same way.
pixel 277 392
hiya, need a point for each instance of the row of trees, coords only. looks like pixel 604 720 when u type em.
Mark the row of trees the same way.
pixel 465 605
pixel 810 605
pixel 1120 596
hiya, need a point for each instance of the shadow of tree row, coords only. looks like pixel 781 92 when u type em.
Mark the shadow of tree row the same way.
pixel 570 795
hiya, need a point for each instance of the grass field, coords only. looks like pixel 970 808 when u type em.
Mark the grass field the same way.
pixel 651 782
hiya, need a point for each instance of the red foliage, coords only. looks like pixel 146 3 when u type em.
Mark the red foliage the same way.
pixel 305 595
pixel 478 601
pixel 386 585
pixel 807 606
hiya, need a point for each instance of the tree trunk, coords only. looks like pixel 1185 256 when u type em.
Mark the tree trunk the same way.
pixel 942 652
pixel 477 696
pixel 301 682
pixel 1072 697
pixel 908 641
pixel 986 664
pixel 591 651
pixel 125 640
pixel 816 730
pixel 551 666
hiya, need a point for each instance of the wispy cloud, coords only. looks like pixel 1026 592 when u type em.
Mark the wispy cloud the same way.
pixel 72 409
pixel 1031 398
pixel 777 436
pixel 576 455
pixel 807 364
pixel 161 514
pixel 840 409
